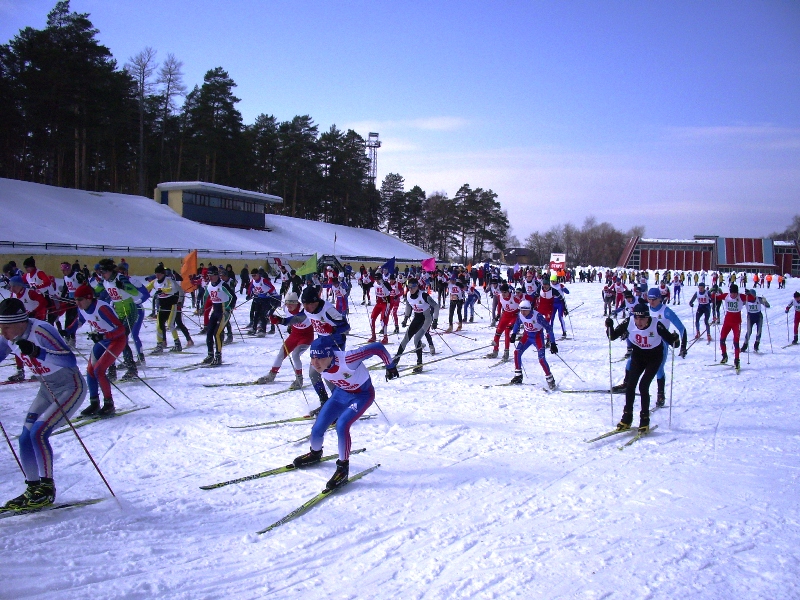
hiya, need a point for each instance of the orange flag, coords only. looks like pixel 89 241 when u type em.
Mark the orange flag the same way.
pixel 188 270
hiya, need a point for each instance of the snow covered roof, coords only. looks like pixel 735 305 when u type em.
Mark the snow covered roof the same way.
pixel 41 214
pixel 214 188
pixel 783 244
pixel 668 241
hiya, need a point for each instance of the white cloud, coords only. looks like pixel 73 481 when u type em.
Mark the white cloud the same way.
pixel 406 125
pixel 767 137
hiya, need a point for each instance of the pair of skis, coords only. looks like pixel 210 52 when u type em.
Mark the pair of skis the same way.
pixel 639 435
pixel 8 512
pixel 306 506
pixel 84 421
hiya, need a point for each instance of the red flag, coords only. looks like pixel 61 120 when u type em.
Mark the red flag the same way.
pixel 278 262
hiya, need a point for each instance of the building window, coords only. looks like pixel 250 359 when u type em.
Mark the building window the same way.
pixel 223 202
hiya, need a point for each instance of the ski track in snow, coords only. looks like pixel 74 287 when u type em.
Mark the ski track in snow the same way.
pixel 481 493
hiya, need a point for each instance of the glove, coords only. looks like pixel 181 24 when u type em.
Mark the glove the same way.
pixel 28 348
pixel 96 337
pixel 676 341
pixel 513 338
pixel 479 300
pixel 405 322
pixel 274 320
pixel 391 372
pixel 435 324
pixel 553 348
pixel 609 322
pixel 787 309
pixel 691 305
pixel 566 312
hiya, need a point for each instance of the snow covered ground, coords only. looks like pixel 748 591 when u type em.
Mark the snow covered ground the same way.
pixel 481 493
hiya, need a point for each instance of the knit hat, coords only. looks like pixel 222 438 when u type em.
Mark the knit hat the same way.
pixel 12 310
pixel 84 291
pixel 17 280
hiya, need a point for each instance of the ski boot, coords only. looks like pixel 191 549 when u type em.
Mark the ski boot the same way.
pixel 449 328
pixel 736 363
pixel 159 349
pixel 794 341
pixel 417 369
pixel 297 383
pixel 189 342
pixel 261 333
pixel 228 339
pixel 94 406
pixel 432 349
pixel 459 327
pixel 308 458
pixel 708 338
pixel 204 330
pixel 697 335
pixel 271 329
pixel 621 387
pixel 177 347
pixel 472 318
pixel 396 330
pixel 660 393
pixel 743 348
pixel 131 374
pixel 141 362
pixel 724 360
pixel 207 360
pixel 18 376
pixel 217 360
pixel 268 378
pixel 385 340
pixel 517 379
pixel 551 381
pixel 625 422
pixel 755 347
pixel 505 355
pixel 492 354
pixel 108 408
pixel 340 477
pixel 493 323
pixel 112 372
pixel 628 353
pixel 38 495
pixel 372 339
pixel 644 422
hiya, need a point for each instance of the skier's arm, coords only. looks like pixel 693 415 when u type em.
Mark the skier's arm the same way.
pixel 547 327
pixel 433 304
pixel 673 339
pixel 620 331
pixel 355 357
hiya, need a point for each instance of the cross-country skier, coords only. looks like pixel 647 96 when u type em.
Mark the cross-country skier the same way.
pixel 35 304
pixel 754 317
pixel 426 315
pixel 221 301
pixel 165 289
pixel 39 345
pixel 352 395
pixel 297 342
pixel 732 323
pixel 122 294
pixel 796 304
pixel 109 337
pixel 704 302
pixel 326 321
pixel 509 304
pixel 534 325
pixel 382 307
pixel 648 336
pixel 455 291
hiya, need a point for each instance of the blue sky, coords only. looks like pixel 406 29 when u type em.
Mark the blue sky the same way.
pixel 683 117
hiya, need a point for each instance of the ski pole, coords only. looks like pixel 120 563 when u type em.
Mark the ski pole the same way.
pixel 116 387
pixel 445 341
pixel 671 379
pixel 570 368
pixel 291 362
pixel 75 431
pixel 610 380
pixel 10 447
pixel 239 329
pixel 569 316
pixel 768 332
pixel 787 326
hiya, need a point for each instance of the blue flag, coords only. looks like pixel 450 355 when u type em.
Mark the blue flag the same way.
pixel 388 266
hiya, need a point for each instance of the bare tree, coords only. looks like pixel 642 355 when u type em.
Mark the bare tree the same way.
pixel 141 67
pixel 170 77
